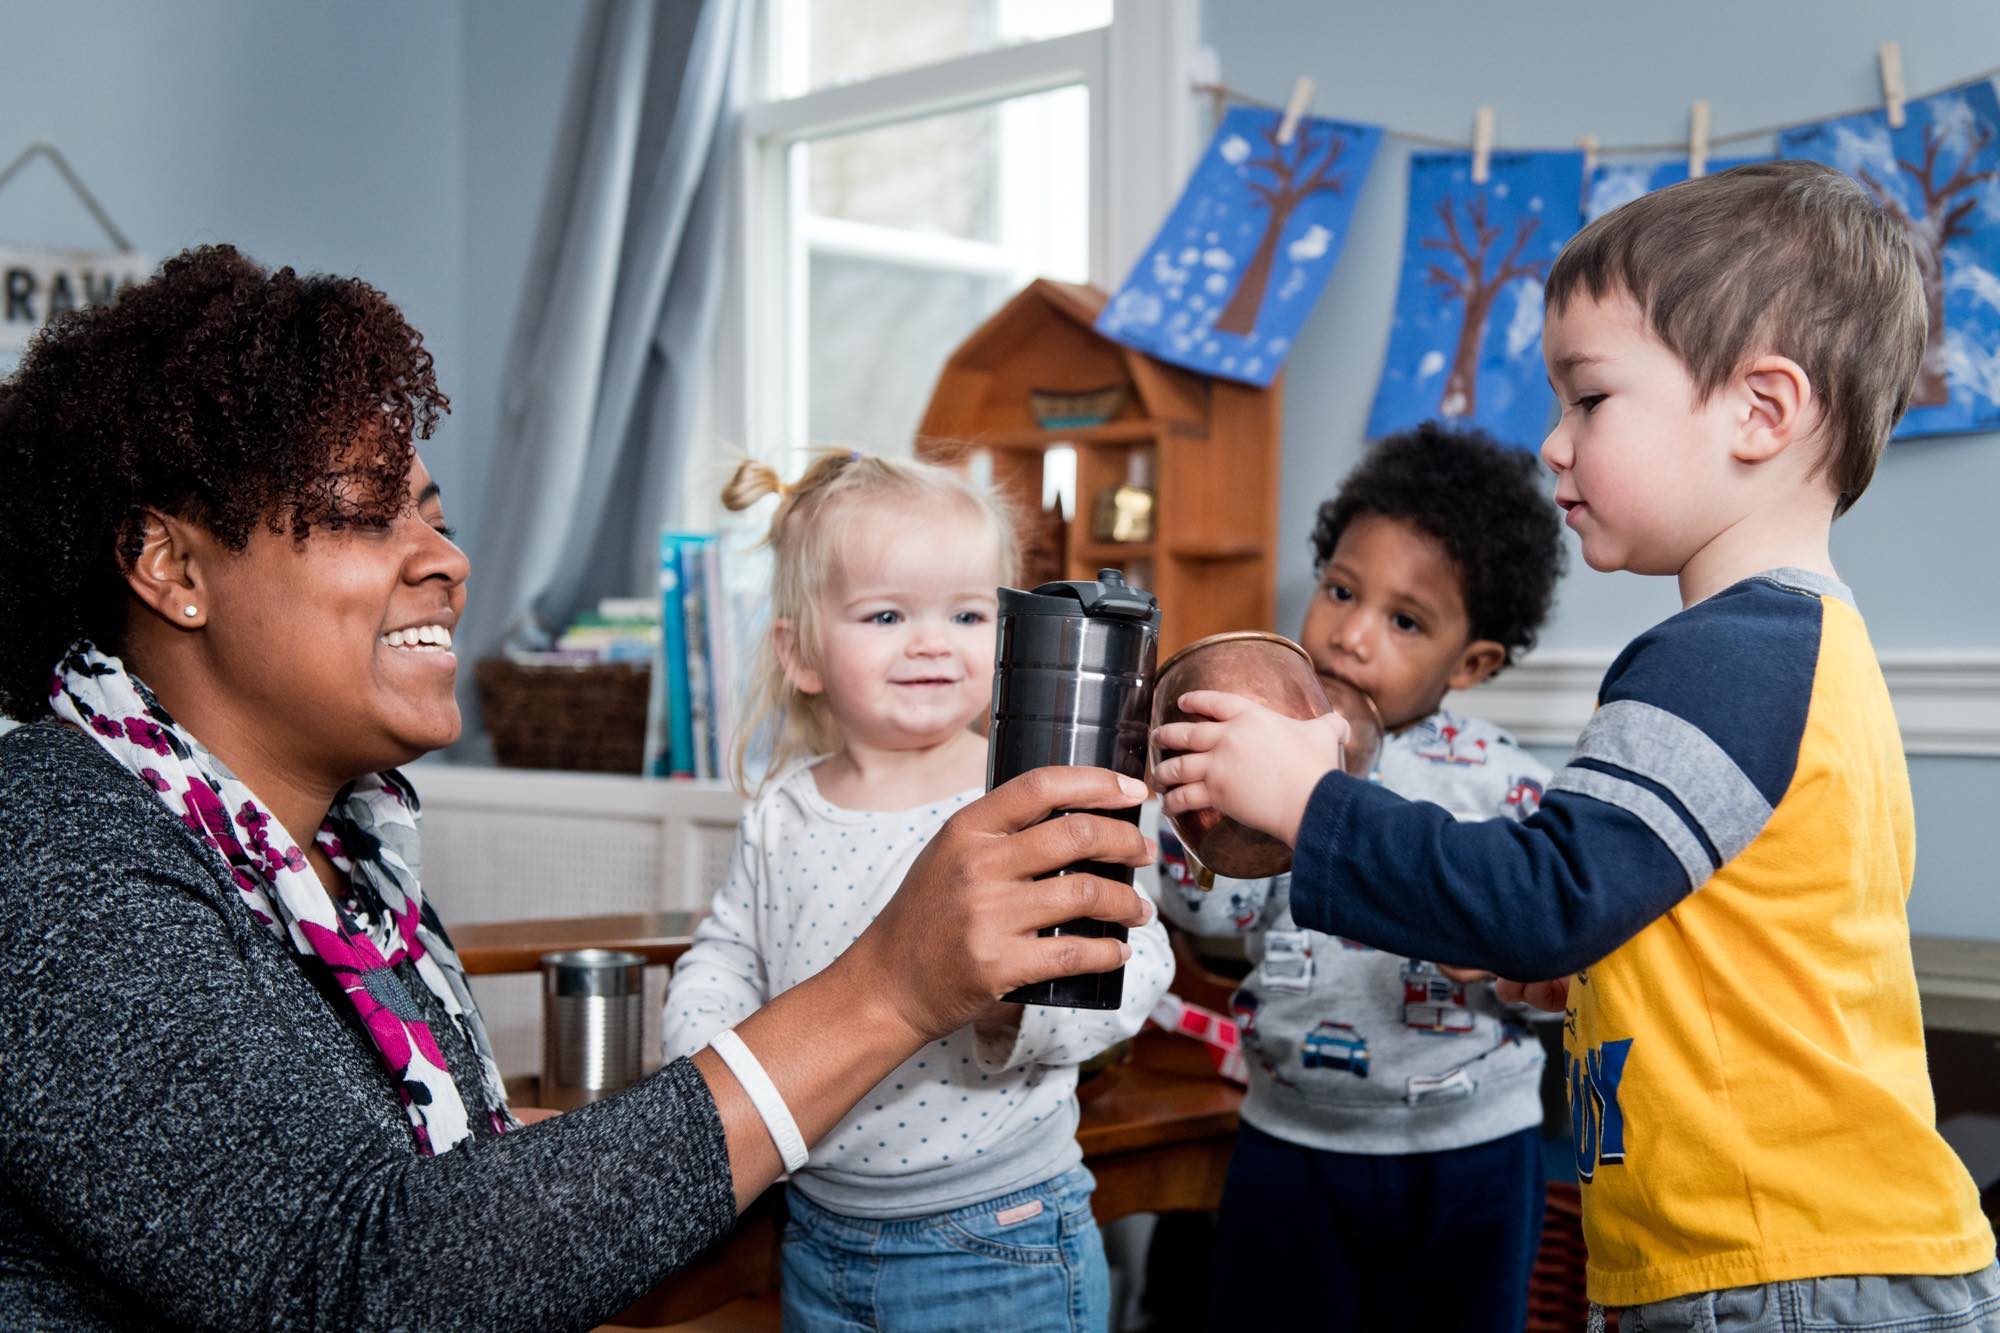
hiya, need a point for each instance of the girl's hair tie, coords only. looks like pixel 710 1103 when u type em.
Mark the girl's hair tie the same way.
pixel 786 488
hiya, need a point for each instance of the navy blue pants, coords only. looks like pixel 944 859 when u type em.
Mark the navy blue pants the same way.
pixel 1307 1239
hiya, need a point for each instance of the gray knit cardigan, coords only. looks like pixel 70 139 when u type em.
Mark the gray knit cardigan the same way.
pixel 195 1131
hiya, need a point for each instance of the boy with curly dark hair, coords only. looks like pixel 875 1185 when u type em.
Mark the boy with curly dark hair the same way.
pixel 1392 1125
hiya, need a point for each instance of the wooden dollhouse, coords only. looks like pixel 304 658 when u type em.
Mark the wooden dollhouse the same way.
pixel 1038 375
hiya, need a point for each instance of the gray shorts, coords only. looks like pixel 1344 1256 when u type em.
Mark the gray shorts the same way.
pixel 1966 1304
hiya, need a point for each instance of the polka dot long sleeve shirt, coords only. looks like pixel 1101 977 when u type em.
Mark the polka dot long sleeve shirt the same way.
pixel 971 1116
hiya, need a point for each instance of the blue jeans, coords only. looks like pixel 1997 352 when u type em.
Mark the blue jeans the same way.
pixel 1333 1241
pixel 1827 1304
pixel 1030 1260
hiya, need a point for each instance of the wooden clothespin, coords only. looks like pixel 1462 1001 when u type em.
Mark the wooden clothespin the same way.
pixel 1698 140
pixel 1482 145
pixel 1588 143
pixel 1302 96
pixel 1891 58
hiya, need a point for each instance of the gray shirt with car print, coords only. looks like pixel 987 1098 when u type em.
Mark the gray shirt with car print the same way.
pixel 1353 1050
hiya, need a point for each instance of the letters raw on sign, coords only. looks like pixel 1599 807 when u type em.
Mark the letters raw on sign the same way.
pixel 38 284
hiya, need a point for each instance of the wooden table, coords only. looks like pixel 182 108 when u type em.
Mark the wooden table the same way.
pixel 1156 1130
pixel 1959 981
pixel 1157 1140
pixel 491 948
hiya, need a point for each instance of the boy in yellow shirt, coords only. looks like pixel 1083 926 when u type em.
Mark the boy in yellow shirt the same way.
pixel 1721 871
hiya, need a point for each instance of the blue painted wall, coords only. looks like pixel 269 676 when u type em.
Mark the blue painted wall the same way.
pixel 328 137
pixel 402 142
pixel 1919 549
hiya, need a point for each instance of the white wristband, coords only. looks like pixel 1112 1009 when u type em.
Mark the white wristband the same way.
pixel 763 1095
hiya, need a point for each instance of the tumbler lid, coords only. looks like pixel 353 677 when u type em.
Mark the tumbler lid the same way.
pixel 1109 596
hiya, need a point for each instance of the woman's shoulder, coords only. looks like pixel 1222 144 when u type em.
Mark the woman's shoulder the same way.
pixel 52 753
pixel 47 767
pixel 69 810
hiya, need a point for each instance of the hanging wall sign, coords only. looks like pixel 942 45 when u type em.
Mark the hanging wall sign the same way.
pixel 1227 283
pixel 1622 182
pixel 36 285
pixel 1466 345
pixel 1938 176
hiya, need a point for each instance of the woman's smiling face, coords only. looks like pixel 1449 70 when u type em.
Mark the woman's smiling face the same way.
pixel 337 648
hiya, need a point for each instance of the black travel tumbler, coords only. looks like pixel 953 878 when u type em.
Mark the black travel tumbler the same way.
pixel 1072 684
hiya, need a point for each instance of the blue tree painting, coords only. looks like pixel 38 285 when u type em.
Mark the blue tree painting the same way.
pixel 1939 177
pixel 1466 345
pixel 1227 283
pixel 1621 182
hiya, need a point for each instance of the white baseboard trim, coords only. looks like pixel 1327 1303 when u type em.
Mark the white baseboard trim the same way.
pixel 1948 702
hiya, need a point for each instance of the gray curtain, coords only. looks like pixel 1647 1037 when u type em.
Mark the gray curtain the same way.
pixel 609 358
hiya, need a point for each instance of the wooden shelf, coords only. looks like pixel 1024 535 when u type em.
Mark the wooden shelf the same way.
pixel 1208 448
pixel 1113 553
pixel 1245 550
pixel 1130 434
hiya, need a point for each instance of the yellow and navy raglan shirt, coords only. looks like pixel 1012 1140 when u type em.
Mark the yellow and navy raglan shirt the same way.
pixel 1724 866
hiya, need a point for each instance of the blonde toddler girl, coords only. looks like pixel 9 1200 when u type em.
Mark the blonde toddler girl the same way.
pixel 955 1195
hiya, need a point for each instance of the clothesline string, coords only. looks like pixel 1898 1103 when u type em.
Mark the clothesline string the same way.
pixel 1223 93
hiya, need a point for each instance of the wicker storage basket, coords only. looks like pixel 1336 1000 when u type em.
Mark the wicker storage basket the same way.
pixel 588 716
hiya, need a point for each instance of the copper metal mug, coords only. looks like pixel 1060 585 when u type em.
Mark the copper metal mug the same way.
pixel 1271 670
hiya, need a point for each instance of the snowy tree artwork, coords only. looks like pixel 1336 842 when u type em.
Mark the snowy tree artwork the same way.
pixel 1466 344
pixel 1622 182
pixel 1939 177
pixel 1227 283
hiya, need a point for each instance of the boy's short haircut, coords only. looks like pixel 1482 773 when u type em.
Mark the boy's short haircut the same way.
pixel 1791 258
pixel 1482 502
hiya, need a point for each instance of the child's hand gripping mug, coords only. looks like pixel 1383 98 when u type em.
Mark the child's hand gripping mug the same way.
pixel 1072 684
pixel 1275 672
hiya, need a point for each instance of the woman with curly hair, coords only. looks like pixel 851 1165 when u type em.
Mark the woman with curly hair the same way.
pixel 247 1084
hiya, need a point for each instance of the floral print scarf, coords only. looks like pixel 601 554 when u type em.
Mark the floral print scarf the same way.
pixel 370 834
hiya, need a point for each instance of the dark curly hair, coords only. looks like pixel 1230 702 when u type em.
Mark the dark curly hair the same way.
pixel 1479 500
pixel 217 391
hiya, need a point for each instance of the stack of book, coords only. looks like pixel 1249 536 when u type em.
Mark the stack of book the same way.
pixel 621 629
pixel 691 724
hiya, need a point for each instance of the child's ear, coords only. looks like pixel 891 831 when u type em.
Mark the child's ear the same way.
pixel 1780 403
pixel 785 637
pixel 1481 658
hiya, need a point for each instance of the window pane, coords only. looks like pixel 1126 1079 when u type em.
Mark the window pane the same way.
pixel 939 174
pixel 914 233
pixel 822 42
pixel 879 332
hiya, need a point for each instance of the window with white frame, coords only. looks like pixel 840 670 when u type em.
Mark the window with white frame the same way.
pixel 908 235
pixel 907 167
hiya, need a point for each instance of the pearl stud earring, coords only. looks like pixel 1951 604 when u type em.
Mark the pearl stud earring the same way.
pixel 190 611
